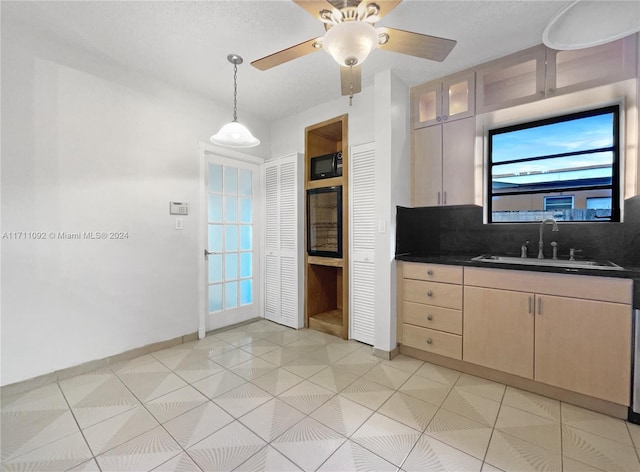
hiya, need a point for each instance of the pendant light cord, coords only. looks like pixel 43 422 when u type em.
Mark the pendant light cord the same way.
pixel 235 92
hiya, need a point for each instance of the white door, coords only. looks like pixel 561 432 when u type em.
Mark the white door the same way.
pixel 232 253
pixel 272 294
pixel 362 215
pixel 283 230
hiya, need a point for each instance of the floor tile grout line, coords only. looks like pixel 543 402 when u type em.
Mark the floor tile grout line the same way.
pixel 637 449
pixel 93 456
pixel 493 429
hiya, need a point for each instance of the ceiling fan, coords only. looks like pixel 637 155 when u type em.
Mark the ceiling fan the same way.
pixel 350 36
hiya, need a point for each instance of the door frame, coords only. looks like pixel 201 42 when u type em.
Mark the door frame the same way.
pixel 204 151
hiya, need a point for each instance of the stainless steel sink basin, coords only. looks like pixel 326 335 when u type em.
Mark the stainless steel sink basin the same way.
pixel 548 262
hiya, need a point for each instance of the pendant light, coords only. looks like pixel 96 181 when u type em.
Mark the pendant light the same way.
pixel 234 134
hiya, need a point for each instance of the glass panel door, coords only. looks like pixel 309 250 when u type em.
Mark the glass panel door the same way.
pixel 231 248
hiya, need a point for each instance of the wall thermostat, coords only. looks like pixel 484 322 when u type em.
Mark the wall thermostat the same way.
pixel 178 208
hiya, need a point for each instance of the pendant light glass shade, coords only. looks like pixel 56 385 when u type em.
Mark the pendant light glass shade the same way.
pixel 234 134
pixel 350 42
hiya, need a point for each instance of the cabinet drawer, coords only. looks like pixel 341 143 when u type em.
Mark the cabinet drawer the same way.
pixel 432 293
pixel 606 289
pixel 432 272
pixel 434 317
pixel 430 340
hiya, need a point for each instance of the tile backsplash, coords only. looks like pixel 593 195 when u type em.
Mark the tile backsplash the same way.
pixel 460 230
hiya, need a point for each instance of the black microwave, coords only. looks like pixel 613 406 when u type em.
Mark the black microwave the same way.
pixel 327 166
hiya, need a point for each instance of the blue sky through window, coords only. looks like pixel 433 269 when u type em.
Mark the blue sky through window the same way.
pixel 576 135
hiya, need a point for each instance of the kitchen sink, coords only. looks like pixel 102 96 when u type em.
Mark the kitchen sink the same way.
pixel 580 264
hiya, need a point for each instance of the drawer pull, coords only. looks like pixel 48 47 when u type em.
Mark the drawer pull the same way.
pixel 430 293
pixel 429 341
pixel 429 317
pixel 429 272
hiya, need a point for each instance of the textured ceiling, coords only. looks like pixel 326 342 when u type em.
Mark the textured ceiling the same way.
pixel 186 43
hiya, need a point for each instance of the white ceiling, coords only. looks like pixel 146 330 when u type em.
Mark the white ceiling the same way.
pixel 186 43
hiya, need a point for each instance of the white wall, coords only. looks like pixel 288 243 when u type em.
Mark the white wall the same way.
pixel 287 134
pixel 90 147
pixel 393 154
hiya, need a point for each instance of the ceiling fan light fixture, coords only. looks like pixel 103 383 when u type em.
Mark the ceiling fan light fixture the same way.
pixel 350 42
pixel 234 134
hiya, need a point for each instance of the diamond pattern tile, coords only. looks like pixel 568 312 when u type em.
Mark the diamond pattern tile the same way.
pixel 351 456
pixel 264 397
pixel 387 438
pixel 272 419
pixel 308 443
pixel 342 415
pixel 143 452
pixel 226 449
pixel 429 454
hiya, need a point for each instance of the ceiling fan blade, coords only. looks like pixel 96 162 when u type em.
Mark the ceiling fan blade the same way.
pixel 350 80
pixel 286 55
pixel 416 44
pixel 314 7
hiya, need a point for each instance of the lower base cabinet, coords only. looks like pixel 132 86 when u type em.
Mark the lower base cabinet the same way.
pixel 567 331
pixel 498 330
pixel 581 345
pixel 584 346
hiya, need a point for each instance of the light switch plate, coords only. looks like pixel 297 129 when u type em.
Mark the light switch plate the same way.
pixel 179 223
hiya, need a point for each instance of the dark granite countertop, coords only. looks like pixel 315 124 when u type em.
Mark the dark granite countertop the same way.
pixel 466 260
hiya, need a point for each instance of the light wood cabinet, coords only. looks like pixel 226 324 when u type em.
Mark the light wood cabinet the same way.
pixel 572 332
pixel 443 164
pixel 448 99
pixel 498 330
pixel 584 346
pixel 540 72
pixel 431 308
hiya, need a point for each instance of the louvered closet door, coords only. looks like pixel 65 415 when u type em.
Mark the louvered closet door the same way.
pixel 272 243
pixel 362 223
pixel 288 244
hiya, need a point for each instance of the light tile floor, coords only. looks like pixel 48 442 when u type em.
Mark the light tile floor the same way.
pixel 263 397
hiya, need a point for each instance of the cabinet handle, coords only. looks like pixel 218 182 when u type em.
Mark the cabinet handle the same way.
pixel 429 317
pixel 439 119
pixel 552 91
pixel 438 198
pixel 430 293
pixel 530 304
pixel 444 199
pixel 539 303
pixel 429 272
pixel 445 117
pixel 429 341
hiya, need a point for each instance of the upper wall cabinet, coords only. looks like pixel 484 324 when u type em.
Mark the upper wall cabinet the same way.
pixel 443 100
pixel 540 72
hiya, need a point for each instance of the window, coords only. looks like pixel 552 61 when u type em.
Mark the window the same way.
pixel 558 203
pixel 566 167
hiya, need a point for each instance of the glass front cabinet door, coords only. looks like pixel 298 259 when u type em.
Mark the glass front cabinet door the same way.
pixel 443 100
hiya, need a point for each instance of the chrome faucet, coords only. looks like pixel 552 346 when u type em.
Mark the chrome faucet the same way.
pixel 541 243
